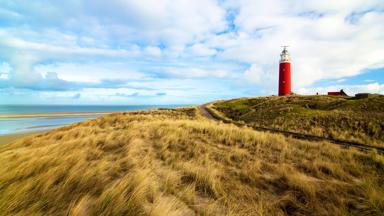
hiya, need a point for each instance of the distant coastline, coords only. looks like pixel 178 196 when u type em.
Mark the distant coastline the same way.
pixel 58 114
pixel 7 138
pixel 83 109
pixel 21 119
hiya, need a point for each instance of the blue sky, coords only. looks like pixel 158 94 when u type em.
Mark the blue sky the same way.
pixel 184 51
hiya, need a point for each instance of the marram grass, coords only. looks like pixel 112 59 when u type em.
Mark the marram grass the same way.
pixel 175 162
pixel 342 118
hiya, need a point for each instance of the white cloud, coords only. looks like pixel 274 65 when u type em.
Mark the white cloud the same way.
pixel 113 29
pixel 230 39
pixel 153 51
pixel 46 49
pixel 255 74
pixel 197 72
pixel 78 72
pixel 340 80
pixel 154 21
pixel 5 69
pixel 8 14
pixel 199 49
pixel 324 47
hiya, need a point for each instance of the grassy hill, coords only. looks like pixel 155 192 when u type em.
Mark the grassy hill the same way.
pixel 175 162
pixel 344 118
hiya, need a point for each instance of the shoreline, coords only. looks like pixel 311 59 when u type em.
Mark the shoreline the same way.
pixel 49 121
pixel 8 138
pixel 58 114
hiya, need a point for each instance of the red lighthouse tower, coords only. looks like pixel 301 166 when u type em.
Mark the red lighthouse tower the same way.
pixel 285 73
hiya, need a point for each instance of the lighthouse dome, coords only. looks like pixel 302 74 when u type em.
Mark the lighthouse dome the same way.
pixel 285 57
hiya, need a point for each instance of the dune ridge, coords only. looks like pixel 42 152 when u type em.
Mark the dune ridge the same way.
pixel 176 162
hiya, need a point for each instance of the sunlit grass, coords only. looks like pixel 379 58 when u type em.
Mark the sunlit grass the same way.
pixel 343 118
pixel 174 162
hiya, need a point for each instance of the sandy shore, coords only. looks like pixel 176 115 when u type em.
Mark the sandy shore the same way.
pixel 30 115
pixel 4 139
pixel 7 138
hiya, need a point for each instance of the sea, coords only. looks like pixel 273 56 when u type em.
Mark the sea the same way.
pixel 34 123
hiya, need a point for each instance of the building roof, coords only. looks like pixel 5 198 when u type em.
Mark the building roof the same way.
pixel 341 92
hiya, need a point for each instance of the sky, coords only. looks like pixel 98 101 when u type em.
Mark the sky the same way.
pixel 185 51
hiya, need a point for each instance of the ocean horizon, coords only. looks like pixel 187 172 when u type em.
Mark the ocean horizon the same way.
pixel 22 124
pixel 32 109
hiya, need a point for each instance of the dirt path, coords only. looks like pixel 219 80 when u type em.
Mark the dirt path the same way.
pixel 205 113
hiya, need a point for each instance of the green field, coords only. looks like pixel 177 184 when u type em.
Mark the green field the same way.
pixel 343 118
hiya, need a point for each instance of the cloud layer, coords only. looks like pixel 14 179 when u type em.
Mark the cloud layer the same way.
pixel 163 51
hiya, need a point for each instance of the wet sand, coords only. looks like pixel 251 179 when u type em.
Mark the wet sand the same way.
pixel 31 115
pixel 7 138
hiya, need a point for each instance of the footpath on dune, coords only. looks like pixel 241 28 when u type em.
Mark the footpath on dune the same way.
pixel 209 111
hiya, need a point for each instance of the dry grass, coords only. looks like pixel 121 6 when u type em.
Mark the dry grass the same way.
pixel 4 139
pixel 174 162
pixel 344 118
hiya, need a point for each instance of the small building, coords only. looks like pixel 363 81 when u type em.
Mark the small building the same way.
pixel 339 93
pixel 362 95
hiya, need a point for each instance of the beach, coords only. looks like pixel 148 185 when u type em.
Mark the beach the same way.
pixel 15 126
pixel 4 139
pixel 20 120
pixel 53 115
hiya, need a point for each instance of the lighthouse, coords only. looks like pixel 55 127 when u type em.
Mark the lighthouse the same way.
pixel 285 73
